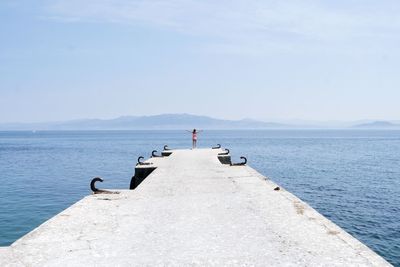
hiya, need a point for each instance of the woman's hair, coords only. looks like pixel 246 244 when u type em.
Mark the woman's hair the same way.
pixel 194 130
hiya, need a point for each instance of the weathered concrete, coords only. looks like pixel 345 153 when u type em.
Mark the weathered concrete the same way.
pixel 191 210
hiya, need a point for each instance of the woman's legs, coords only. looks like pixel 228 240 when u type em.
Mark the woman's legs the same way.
pixel 194 143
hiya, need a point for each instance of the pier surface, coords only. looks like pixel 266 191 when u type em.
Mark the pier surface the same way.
pixel 191 210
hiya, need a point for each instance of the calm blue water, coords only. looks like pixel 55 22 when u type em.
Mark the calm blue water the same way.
pixel 351 177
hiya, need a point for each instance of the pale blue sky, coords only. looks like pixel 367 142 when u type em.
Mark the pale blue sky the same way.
pixel 312 60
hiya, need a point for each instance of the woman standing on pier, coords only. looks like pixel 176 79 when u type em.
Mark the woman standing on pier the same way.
pixel 194 137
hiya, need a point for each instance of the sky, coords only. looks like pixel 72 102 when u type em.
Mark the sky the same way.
pixel 269 60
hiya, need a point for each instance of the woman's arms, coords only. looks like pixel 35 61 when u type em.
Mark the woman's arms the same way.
pixel 197 131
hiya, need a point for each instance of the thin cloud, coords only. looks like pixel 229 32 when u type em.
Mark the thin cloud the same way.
pixel 245 23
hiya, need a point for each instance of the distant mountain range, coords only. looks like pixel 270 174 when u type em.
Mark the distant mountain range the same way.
pixel 175 121
pixel 378 125
pixel 165 121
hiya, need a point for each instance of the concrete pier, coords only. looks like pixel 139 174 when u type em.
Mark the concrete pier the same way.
pixel 191 210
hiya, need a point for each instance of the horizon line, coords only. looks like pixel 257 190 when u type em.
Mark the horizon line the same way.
pixel 271 120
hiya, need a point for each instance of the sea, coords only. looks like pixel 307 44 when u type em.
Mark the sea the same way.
pixel 350 176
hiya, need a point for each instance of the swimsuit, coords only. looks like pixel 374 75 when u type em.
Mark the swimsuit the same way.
pixel 194 137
